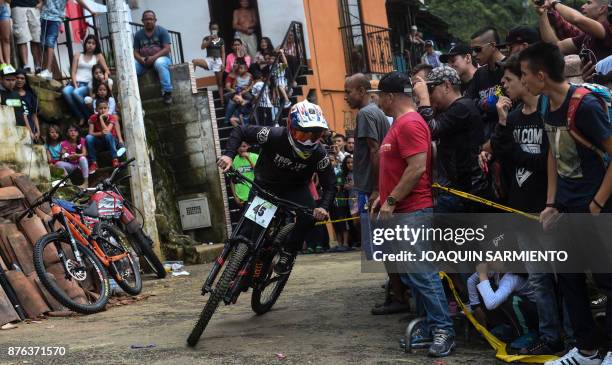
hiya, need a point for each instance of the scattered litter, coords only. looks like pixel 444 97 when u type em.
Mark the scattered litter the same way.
pixel 32 321
pixel 281 356
pixel 170 266
pixel 9 326
pixel 139 346
pixel 180 273
pixel 50 327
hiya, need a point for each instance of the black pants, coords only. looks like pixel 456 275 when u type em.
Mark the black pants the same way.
pixel 299 194
pixel 264 116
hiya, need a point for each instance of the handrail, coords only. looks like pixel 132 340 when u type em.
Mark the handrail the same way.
pixel 367 48
pixel 296 29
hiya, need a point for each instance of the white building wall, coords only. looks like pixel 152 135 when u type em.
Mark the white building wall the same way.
pixel 276 15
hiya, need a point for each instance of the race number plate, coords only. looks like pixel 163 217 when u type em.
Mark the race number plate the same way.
pixel 261 211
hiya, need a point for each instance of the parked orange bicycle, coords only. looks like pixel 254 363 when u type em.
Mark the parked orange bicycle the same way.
pixel 73 260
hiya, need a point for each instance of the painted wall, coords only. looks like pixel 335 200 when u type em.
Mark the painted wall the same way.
pixel 327 55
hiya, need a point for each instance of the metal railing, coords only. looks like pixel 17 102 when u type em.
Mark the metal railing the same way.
pixel 367 49
pixel 100 29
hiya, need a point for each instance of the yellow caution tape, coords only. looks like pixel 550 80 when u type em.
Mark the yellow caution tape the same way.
pixel 337 221
pixel 497 345
pixel 484 201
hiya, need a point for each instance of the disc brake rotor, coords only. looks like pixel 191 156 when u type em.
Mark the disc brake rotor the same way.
pixel 75 270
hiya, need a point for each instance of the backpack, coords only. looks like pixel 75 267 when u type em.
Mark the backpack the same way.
pixel 603 94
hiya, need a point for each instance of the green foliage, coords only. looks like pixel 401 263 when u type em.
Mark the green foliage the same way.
pixel 467 16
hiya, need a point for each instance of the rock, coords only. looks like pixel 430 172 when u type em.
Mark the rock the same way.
pixel 202 254
pixel 51 103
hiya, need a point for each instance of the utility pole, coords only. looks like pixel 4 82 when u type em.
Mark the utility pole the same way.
pixel 141 182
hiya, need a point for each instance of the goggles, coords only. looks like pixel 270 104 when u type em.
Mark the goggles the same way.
pixel 306 137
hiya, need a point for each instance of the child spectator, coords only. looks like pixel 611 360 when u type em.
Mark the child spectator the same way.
pixel 104 92
pixel 10 97
pixel 339 209
pixel 265 47
pixel 81 76
pixel 238 53
pixel 74 154
pixel 509 303
pixel 215 55
pixel 351 194
pixel 264 107
pixel 98 74
pixel 104 135
pixel 244 162
pixel 29 102
pixel 53 145
pixel 5 33
pixel 278 76
pixel 239 90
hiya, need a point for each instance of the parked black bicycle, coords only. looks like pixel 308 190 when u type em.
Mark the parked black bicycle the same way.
pixel 253 250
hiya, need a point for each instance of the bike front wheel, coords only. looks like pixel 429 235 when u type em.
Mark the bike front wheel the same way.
pixel 233 264
pixel 80 286
pixel 265 295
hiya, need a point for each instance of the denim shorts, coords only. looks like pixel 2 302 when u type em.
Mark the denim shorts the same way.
pixel 5 12
pixel 49 32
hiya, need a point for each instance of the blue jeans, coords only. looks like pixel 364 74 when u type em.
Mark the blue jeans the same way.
pixel 162 66
pixel 49 31
pixel 97 144
pixel 427 286
pixel 446 203
pixel 75 97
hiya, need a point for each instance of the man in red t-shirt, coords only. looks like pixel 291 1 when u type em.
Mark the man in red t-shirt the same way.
pixel 405 187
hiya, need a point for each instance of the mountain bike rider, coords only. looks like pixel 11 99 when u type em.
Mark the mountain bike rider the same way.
pixel 288 159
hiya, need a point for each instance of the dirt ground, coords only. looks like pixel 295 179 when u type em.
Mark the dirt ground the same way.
pixel 322 317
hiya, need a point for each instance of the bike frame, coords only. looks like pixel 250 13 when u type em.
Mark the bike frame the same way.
pixel 258 245
pixel 75 228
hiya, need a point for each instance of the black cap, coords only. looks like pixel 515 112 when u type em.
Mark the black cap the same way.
pixel 459 49
pixel 395 82
pixel 522 34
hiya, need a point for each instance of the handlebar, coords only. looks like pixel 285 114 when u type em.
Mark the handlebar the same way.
pixel 122 166
pixel 233 173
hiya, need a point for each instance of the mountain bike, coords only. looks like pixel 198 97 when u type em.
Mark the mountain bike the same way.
pixel 249 255
pixel 73 261
pixel 107 203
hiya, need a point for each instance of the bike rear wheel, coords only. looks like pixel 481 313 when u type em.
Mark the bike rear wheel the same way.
pixel 216 296
pixel 265 296
pixel 81 289
pixel 126 271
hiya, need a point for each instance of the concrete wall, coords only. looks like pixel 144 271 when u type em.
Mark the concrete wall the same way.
pixel 181 137
pixel 17 150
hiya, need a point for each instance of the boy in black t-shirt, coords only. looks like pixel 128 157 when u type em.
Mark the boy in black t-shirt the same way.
pixel 578 182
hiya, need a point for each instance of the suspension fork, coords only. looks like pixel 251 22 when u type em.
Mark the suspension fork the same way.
pixel 218 264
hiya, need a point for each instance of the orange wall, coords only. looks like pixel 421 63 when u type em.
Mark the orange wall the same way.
pixel 327 54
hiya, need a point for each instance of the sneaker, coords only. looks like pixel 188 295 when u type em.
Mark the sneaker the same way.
pixel 608 359
pixel 284 264
pixel 540 347
pixel 115 163
pixel 92 168
pixel 443 343
pixel 168 98
pixel 420 339
pixel 287 104
pixel 574 357
pixel 46 74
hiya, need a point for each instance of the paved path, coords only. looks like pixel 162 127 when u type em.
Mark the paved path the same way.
pixel 322 317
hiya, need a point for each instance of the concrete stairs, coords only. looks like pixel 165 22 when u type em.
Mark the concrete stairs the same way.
pixel 18 150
